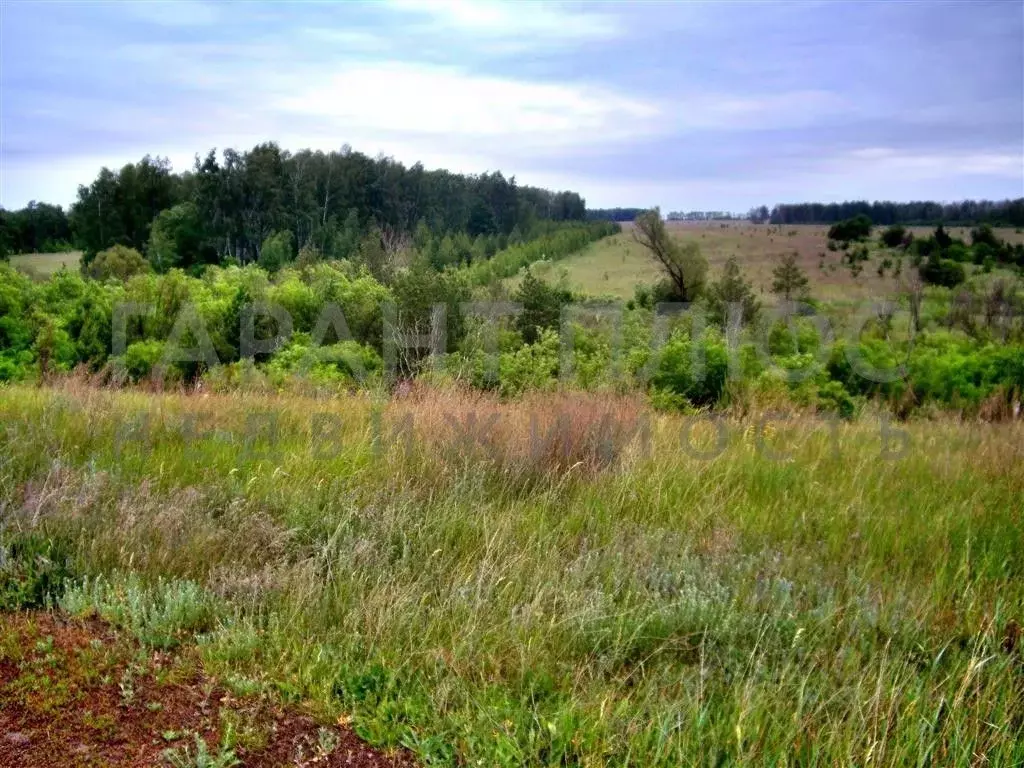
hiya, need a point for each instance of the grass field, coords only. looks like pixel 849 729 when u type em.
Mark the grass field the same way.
pixel 615 265
pixel 45 264
pixel 804 595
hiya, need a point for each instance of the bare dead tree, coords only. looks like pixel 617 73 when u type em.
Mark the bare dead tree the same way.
pixel 913 288
pixel 395 242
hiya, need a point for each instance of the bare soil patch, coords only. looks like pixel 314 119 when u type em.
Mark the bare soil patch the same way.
pixel 73 693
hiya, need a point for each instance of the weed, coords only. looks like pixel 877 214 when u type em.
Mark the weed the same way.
pixel 184 757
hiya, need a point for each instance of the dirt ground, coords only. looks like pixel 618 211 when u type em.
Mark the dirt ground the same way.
pixel 72 693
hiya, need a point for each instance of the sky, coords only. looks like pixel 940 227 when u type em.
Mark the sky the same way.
pixel 689 106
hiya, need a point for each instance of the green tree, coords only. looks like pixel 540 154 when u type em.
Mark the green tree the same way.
pixel 345 243
pixel 942 237
pixel 481 220
pixel 682 263
pixel 984 235
pixel 731 288
pixel 276 251
pixel 789 282
pixel 118 208
pixel 176 239
pixel 119 262
pixel 893 236
pixel 542 306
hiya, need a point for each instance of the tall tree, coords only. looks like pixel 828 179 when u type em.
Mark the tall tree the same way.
pixel 682 263
pixel 119 208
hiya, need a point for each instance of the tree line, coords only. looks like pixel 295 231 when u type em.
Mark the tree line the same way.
pixel 1009 213
pixel 614 214
pixel 36 228
pixel 226 207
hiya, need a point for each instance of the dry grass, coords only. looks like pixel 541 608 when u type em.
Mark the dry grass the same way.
pixel 542 435
pixel 45 264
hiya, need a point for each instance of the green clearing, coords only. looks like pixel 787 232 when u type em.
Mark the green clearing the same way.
pixel 45 264
pixel 816 605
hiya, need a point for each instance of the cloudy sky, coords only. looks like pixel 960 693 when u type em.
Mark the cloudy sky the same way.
pixel 683 105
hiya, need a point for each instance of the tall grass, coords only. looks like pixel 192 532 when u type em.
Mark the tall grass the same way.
pixel 487 598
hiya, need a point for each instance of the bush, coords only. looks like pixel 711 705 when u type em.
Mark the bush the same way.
pixel 346 362
pixel 958 252
pixel 857 228
pixel 118 262
pixel 731 288
pixel 524 368
pixel 695 370
pixel 940 271
pixel 141 357
pixel 893 236
pixel 984 235
pixel 834 398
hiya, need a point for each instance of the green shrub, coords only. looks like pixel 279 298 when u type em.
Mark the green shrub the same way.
pixel 940 271
pixel 33 570
pixel 893 236
pixel 541 306
pixel 857 228
pixel 833 397
pixel 159 615
pixel 141 357
pixel 276 251
pixel 696 370
pixel 118 263
pixel 346 362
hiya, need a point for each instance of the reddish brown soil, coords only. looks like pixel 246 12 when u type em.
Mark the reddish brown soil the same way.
pixel 72 693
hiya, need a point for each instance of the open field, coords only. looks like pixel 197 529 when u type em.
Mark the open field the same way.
pixel 45 264
pixel 810 593
pixel 615 265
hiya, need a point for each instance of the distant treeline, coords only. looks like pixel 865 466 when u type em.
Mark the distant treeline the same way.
pixel 226 207
pixel 614 214
pixel 38 227
pixel 701 216
pixel 1009 213
pixel 1004 213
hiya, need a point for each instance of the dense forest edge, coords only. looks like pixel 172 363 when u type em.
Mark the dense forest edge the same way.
pixel 225 208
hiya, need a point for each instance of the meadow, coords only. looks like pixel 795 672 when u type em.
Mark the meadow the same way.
pixel 724 550
pixel 45 264
pixel 615 265
pixel 636 589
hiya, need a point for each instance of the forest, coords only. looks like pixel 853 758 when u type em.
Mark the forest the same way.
pixel 225 207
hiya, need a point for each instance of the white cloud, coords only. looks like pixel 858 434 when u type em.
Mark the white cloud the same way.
pixel 527 22
pixel 448 102
pixel 883 161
